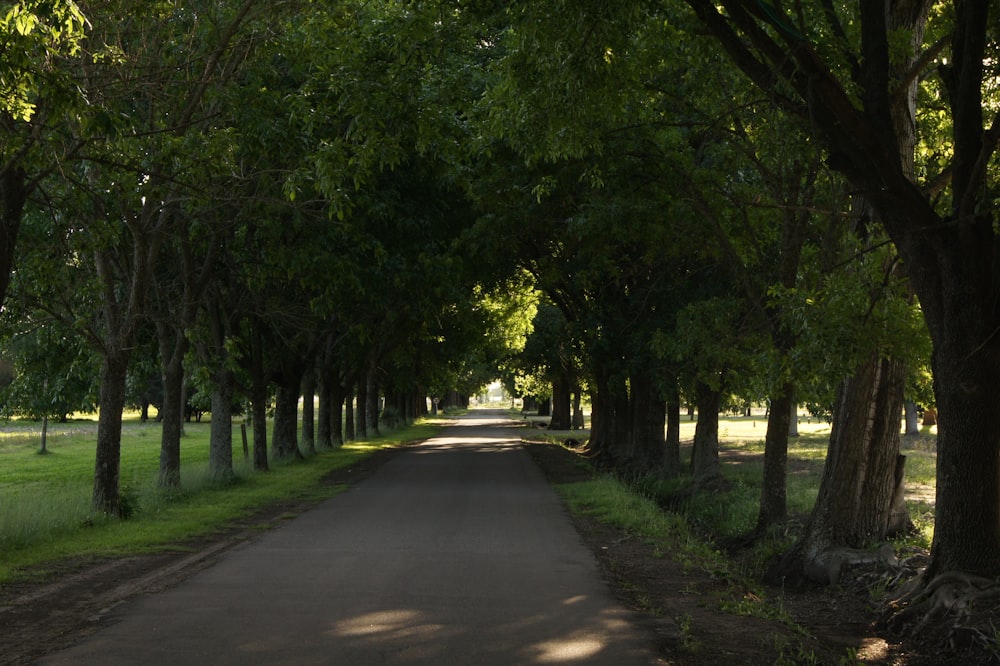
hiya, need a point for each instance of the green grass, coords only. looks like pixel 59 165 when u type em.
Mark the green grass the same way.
pixel 45 512
pixel 733 512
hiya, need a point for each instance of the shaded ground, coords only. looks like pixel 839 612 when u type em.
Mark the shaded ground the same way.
pixel 822 626
pixel 66 602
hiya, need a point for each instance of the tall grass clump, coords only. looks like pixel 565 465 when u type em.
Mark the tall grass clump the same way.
pixel 35 514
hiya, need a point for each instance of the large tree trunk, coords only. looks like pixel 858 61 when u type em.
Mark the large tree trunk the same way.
pixel 284 438
pixel 705 469
pixel 220 447
pixel 648 413
pixel 967 509
pixel 601 418
pixel 854 507
pixel 111 404
pixel 561 402
pixel 773 498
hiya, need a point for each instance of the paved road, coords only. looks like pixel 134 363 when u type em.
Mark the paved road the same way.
pixel 454 552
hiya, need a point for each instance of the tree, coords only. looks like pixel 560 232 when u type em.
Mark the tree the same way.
pixel 125 233
pixel 942 220
pixel 41 39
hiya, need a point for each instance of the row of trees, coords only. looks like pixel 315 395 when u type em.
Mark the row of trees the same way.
pixel 361 199
pixel 781 205
pixel 259 199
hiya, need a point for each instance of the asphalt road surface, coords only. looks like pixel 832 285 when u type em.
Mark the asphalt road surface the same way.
pixel 454 552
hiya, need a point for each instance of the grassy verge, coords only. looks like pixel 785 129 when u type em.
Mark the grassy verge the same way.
pixel 717 517
pixel 45 512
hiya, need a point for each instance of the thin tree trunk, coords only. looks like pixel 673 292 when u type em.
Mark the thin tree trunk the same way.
pixel 672 444
pixel 308 412
pixel 372 395
pixel 911 418
pixel 349 434
pixel 44 447
pixel 220 448
pixel 361 420
pixel 324 413
pixel 773 498
pixel 259 398
pixel 258 407
pixel 578 420
pixel 111 403
pixel 337 410
pixel 173 346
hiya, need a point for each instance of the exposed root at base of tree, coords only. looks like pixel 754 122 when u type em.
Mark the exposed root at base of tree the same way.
pixel 953 610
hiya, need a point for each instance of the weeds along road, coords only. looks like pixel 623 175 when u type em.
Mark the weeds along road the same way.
pixel 454 552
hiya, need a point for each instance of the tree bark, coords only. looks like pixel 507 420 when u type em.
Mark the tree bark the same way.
pixel 950 259
pixel 324 413
pixel 601 418
pixel 111 404
pixel 773 497
pixel 967 509
pixel 672 448
pixel 578 420
pixel 912 420
pixel 561 402
pixel 284 437
pixel 220 447
pixel 337 396
pixel 349 433
pixel 648 414
pixel 854 506
pixel 309 411
pixel 705 468
pixel 372 395
pixel 259 398
pixel 361 419
pixel 173 346
pixel 13 196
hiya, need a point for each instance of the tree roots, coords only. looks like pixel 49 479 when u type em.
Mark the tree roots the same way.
pixel 953 611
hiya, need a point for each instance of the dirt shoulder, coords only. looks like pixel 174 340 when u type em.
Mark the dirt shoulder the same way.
pixel 818 626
